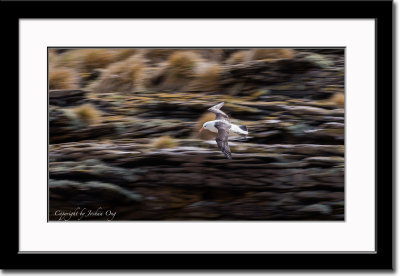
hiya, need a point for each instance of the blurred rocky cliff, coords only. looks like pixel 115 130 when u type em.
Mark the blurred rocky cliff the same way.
pixel 123 133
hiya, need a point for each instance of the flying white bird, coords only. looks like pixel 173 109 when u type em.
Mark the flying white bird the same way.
pixel 224 128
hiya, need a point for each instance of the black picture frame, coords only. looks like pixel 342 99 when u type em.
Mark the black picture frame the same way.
pixel 379 10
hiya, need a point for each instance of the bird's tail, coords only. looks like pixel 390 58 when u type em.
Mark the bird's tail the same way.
pixel 244 130
pixel 241 130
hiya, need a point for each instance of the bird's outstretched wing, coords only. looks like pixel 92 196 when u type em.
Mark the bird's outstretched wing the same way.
pixel 222 138
pixel 219 115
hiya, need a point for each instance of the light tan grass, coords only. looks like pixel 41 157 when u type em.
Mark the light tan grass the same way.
pixel 87 114
pixel 337 99
pixel 158 55
pixel 164 142
pixel 95 58
pixel 182 63
pixel 53 57
pixel 62 78
pixel 69 58
pixel 122 54
pixel 124 76
pixel 258 54
pixel 179 70
pixel 86 60
pixel 239 57
pixel 207 77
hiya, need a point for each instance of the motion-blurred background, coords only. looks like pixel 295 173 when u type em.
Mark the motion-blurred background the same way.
pixel 123 133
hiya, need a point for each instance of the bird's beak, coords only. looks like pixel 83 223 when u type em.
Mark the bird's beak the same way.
pixel 201 129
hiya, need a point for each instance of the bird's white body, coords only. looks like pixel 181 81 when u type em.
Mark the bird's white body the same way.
pixel 223 127
pixel 234 129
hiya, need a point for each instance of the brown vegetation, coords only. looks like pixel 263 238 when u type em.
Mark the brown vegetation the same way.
pixel 164 142
pixel 123 76
pixel 238 57
pixel 182 63
pixel 272 53
pixel 87 114
pixel 338 99
pixel 180 69
pixel 207 77
pixel 121 54
pixel 158 55
pixel 86 60
pixel 62 78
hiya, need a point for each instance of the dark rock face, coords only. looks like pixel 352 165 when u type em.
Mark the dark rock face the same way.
pixel 67 97
pixel 195 181
pixel 290 167
pixel 287 121
pixel 65 127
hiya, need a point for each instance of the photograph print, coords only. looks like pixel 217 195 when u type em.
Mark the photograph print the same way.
pixel 196 134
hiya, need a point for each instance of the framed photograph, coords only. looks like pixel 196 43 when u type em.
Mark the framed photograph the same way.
pixel 252 138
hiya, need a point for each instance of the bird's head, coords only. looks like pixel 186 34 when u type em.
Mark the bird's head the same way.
pixel 206 125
